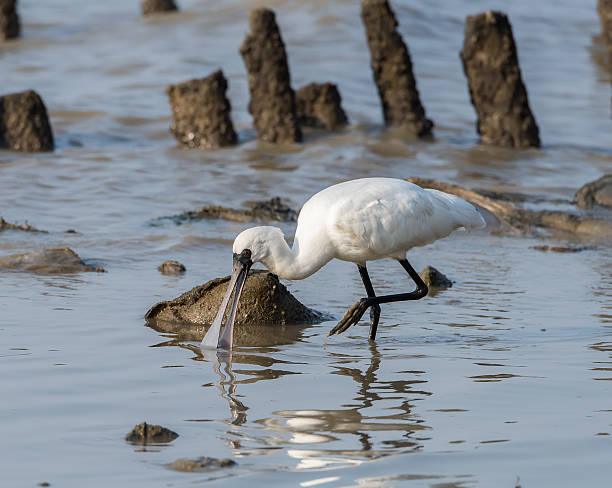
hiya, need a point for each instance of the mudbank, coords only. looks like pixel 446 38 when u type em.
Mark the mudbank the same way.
pixel 4 225
pixel 149 7
pixel 200 465
pixel 527 221
pixel 264 301
pixel 273 209
pixel 48 261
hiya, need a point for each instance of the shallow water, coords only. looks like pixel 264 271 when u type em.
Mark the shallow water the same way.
pixel 507 374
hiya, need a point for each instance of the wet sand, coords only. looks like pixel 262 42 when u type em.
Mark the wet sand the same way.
pixel 507 374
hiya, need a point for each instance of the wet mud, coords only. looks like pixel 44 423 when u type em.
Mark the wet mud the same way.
pixel 200 465
pixel 4 225
pixel 264 301
pixel 269 210
pixel 144 433
pixel 48 261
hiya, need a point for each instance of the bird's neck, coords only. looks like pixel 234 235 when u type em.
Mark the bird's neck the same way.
pixel 297 263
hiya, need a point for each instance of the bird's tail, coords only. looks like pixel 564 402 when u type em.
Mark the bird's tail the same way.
pixel 463 213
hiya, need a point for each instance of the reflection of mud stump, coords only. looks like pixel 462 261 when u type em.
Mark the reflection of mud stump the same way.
pixel 202 112
pixel 272 102
pixel 157 6
pixel 9 20
pixel 604 9
pixel 24 124
pixel 319 105
pixel 392 69
pixel 497 91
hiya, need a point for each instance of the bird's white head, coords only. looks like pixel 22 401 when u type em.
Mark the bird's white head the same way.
pixel 260 241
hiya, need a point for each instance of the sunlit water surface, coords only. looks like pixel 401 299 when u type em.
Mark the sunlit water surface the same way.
pixel 507 374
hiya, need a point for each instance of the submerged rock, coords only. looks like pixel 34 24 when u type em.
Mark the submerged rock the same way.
pixel 434 278
pixel 9 20
pixel 490 63
pixel 272 103
pixel 171 268
pixel 202 112
pixel 145 433
pixel 48 261
pixel 598 192
pixel 201 464
pixel 392 69
pixel 149 7
pixel 264 301
pixel 320 105
pixel 563 249
pixel 4 225
pixel 24 123
pixel 273 209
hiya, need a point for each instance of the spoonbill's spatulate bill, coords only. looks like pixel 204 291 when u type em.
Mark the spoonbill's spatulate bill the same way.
pixel 357 221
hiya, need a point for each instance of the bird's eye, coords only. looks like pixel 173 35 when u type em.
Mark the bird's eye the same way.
pixel 247 253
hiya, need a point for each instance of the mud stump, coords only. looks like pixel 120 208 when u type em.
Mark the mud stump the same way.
pixel 9 20
pixel 202 113
pixel 146 433
pixel 320 105
pixel 497 91
pixel 392 69
pixel 604 9
pixel 149 7
pixel 24 123
pixel 272 103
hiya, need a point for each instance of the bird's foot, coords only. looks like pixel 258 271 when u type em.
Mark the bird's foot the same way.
pixel 351 316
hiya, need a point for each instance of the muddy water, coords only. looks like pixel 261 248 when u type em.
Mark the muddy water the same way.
pixel 507 374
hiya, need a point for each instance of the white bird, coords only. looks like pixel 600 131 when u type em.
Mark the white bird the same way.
pixel 357 221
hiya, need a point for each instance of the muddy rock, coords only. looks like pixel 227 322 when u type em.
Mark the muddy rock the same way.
pixel 9 20
pixel 319 105
pixel 434 278
pixel 598 192
pixel 4 225
pixel 264 301
pixel 171 268
pixel 490 63
pixel 273 209
pixel 24 124
pixel 392 70
pixel 272 103
pixel 604 9
pixel 201 464
pixel 149 7
pixel 202 113
pixel 145 433
pixel 48 261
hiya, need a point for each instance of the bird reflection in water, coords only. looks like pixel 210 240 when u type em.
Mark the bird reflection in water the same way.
pixel 377 434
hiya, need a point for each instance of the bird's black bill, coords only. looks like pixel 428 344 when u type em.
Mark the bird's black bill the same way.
pixel 242 264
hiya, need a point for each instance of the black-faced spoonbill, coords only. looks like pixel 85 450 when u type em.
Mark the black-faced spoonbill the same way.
pixel 357 221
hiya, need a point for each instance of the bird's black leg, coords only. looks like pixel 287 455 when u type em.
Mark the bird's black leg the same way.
pixel 374 309
pixel 353 314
